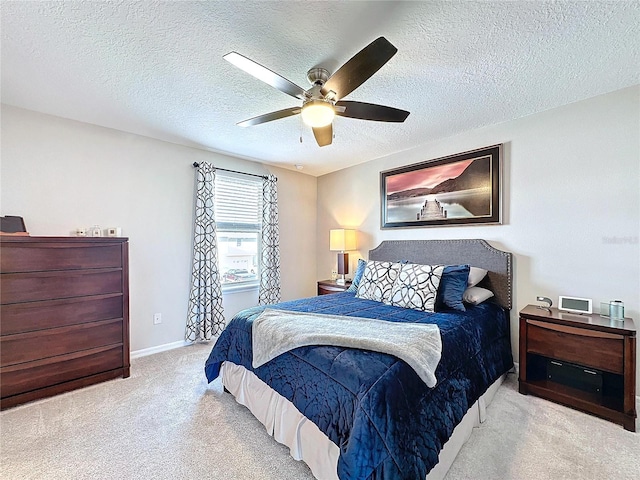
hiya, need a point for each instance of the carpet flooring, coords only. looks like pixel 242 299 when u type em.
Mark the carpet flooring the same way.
pixel 166 422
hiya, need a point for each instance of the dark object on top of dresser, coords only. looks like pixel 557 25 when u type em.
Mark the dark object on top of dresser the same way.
pixel 12 224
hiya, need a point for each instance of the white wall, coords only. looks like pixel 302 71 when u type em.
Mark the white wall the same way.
pixel 571 202
pixel 60 174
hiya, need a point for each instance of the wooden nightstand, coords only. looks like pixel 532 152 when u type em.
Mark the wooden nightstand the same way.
pixel 326 287
pixel 586 362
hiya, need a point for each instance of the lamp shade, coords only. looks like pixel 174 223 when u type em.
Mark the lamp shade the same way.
pixel 342 240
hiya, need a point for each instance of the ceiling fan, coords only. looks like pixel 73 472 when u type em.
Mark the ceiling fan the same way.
pixel 323 100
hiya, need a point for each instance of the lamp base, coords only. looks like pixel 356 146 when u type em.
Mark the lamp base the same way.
pixel 343 264
pixel 341 281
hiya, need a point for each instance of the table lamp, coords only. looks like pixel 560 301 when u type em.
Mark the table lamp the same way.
pixel 340 240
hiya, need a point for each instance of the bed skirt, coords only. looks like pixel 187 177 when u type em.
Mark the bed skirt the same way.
pixel 308 443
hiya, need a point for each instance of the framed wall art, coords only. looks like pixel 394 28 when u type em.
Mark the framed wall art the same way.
pixel 459 189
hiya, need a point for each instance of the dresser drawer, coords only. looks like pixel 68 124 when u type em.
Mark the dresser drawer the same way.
pixel 28 347
pixel 31 287
pixel 37 258
pixel 27 317
pixel 25 377
pixel 600 350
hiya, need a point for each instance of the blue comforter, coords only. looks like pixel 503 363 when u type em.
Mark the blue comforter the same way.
pixel 387 423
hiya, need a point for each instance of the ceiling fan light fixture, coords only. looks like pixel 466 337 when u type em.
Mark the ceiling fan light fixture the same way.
pixel 317 113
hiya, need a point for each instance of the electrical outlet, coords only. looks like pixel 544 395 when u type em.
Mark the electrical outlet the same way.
pixel 334 274
pixel 157 318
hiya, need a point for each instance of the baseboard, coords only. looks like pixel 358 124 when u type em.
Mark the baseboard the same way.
pixel 160 348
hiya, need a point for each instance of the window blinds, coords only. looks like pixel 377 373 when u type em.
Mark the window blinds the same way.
pixel 238 202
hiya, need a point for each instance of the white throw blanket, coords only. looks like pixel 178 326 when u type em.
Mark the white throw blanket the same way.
pixel 277 331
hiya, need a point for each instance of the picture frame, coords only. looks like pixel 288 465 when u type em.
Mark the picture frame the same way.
pixel 459 189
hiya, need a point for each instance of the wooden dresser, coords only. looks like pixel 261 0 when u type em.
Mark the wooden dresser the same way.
pixel 64 314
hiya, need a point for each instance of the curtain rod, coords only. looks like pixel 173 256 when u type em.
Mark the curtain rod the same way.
pixel 196 165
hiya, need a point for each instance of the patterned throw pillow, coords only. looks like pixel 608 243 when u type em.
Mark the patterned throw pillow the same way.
pixel 416 287
pixel 377 281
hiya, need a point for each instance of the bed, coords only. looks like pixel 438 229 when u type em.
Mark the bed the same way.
pixel 351 413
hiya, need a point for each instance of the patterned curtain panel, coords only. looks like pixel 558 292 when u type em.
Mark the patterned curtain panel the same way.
pixel 270 259
pixel 205 318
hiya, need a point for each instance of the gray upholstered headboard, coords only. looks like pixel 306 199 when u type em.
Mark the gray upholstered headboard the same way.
pixel 477 253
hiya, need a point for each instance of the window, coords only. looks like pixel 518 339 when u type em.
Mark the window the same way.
pixel 238 211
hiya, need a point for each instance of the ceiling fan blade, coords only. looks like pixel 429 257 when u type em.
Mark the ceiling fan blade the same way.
pixel 370 111
pixel 324 135
pixel 269 117
pixel 361 66
pixel 266 75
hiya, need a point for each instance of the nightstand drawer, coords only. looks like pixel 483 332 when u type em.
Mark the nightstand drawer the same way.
pixel 325 287
pixel 601 350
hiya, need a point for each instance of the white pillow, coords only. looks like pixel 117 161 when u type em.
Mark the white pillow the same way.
pixel 416 287
pixel 476 295
pixel 378 280
pixel 476 275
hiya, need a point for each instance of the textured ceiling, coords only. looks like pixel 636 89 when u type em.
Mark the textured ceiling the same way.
pixel 156 68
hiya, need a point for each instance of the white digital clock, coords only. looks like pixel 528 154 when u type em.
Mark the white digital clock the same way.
pixel 575 304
